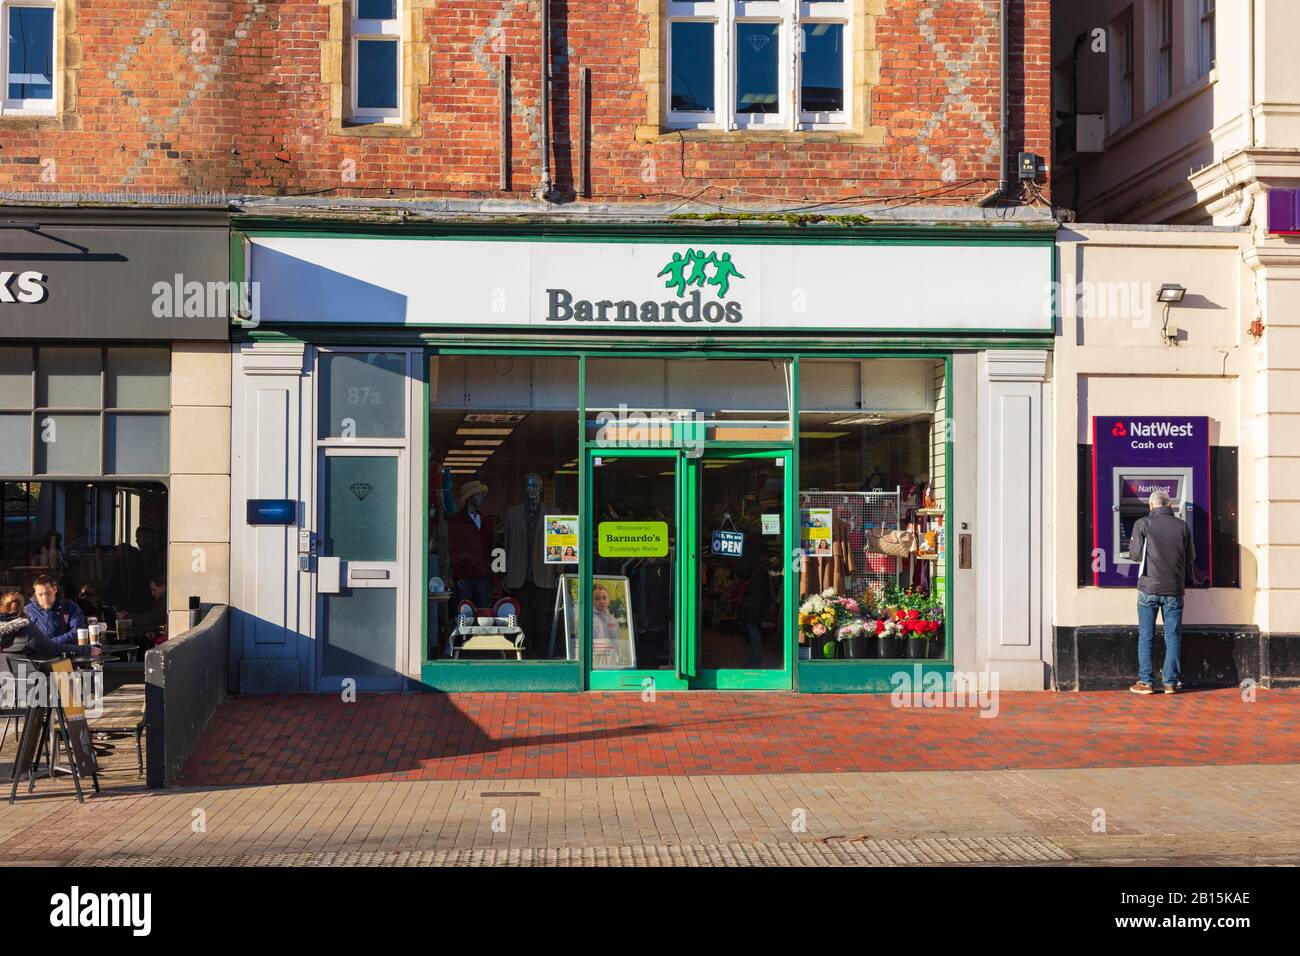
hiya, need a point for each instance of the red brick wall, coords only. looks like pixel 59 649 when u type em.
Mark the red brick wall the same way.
pixel 250 113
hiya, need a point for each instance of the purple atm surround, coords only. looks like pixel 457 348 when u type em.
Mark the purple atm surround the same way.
pixel 1138 444
pixel 1284 212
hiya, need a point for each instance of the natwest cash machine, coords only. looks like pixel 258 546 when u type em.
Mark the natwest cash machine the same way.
pixel 1133 457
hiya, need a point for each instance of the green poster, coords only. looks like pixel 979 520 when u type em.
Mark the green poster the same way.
pixel 632 539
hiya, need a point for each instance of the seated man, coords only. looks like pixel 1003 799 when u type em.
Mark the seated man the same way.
pixel 151 621
pixel 91 605
pixel 54 621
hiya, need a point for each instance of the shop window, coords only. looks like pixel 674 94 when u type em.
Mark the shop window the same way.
pixel 15 444
pixel 68 378
pixel 873 473
pixel 744 66
pixel 68 445
pixel 1224 518
pixel 138 378
pixel 503 505
pixel 84 411
pixel 136 444
pixel 27 56
pixel 103 543
pixel 638 403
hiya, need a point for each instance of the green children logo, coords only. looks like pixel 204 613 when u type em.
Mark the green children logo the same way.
pixel 690 276
pixel 691 270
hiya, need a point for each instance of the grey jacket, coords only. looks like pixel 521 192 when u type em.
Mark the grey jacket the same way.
pixel 1170 552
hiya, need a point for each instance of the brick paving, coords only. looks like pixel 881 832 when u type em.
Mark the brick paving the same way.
pixel 699 780
pixel 1171 814
pixel 419 737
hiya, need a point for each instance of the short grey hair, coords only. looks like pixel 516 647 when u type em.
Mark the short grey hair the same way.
pixel 1159 498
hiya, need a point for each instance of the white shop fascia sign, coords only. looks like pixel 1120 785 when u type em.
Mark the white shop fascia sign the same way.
pixel 687 286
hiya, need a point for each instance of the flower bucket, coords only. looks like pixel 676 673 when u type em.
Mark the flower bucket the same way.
pixel 918 648
pixel 858 648
pixel 888 648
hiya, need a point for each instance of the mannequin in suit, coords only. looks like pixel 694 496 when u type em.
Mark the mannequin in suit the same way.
pixel 529 579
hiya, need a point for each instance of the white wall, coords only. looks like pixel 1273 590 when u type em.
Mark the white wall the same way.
pixel 1109 364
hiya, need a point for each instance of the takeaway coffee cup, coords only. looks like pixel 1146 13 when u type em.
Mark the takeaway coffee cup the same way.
pixel 83 636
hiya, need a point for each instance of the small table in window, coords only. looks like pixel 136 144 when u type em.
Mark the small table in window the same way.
pixel 494 637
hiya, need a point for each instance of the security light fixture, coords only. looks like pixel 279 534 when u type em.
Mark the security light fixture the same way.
pixel 1170 295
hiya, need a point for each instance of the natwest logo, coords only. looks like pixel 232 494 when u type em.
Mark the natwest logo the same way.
pixel 25 287
pixel 1119 431
pixel 1160 430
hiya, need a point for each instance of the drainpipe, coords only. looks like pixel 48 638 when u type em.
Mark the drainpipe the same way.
pixel 544 187
pixel 1002 193
pixel 1079 41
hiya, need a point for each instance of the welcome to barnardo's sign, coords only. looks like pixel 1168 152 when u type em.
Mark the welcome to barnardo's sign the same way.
pixel 656 286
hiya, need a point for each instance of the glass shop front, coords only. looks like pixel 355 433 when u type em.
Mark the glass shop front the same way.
pixel 626 476
pixel 686 522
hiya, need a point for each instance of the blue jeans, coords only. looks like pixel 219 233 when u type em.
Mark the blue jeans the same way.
pixel 1171 610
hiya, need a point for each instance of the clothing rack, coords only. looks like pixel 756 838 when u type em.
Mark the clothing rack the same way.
pixel 863 511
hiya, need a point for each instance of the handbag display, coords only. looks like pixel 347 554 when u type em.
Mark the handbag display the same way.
pixel 898 544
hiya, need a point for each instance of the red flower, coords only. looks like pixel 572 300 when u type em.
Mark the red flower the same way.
pixel 913 615
pixel 880 628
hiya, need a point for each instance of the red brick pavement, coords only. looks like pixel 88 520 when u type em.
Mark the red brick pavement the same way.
pixel 302 738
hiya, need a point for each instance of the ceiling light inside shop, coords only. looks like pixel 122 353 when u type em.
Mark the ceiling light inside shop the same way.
pixel 484 431
pixel 494 418
pixel 803 435
pixel 491 442
pixel 863 420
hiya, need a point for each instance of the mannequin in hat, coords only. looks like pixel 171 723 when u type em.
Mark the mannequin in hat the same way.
pixel 469 539
pixel 529 578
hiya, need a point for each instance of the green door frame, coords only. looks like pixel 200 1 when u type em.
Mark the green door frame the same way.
pixel 749 678
pixel 687 674
pixel 636 679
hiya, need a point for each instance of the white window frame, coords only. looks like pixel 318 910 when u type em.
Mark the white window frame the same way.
pixel 1164 45
pixel 1126 86
pixel 370 29
pixel 28 107
pixel 1207 37
pixel 726 16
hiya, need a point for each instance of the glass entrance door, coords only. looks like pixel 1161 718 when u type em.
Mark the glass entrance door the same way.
pixel 635 615
pixel 359 581
pixel 686 586
pixel 743 634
